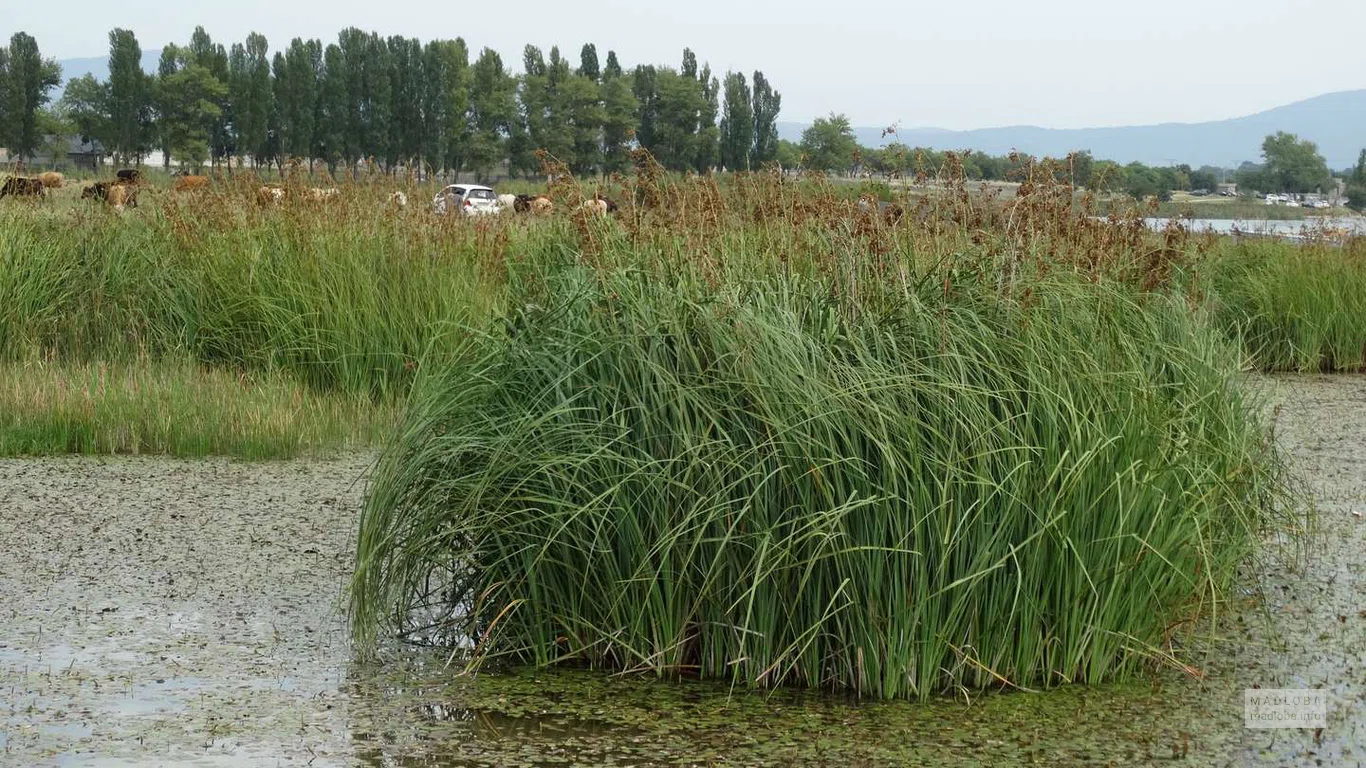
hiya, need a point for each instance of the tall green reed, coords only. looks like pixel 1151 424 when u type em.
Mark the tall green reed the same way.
pixel 913 486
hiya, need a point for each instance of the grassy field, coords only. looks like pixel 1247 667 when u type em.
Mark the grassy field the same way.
pixel 744 429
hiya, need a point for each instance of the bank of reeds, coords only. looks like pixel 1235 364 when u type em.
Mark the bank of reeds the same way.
pixel 1292 308
pixel 177 409
pixel 345 297
pixel 922 485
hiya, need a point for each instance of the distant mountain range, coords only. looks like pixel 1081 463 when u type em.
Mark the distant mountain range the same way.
pixel 1335 121
pixel 99 67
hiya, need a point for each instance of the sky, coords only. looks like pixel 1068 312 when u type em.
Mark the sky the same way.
pixel 959 65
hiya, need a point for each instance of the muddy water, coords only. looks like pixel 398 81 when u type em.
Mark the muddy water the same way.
pixel 157 612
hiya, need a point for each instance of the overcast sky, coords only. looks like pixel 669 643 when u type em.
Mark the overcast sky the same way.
pixel 959 64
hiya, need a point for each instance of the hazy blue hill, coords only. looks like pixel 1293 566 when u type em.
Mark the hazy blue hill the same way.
pixel 99 67
pixel 1336 121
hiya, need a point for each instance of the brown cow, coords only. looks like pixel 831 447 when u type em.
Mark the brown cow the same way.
pixel 115 193
pixel 52 180
pixel 97 191
pixel 542 206
pixel 190 183
pixel 23 187
pixel 130 175
pixel 120 195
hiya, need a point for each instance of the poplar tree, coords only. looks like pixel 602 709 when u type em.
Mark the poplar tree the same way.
pixel 296 96
pixel 27 80
pixel 447 103
pixel 708 141
pixel 249 92
pixel 493 110
pixel 334 109
pixel 588 62
pixel 767 103
pixel 619 109
pixel 212 58
pixel 737 123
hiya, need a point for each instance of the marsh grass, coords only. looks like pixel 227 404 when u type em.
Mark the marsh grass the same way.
pixel 1292 308
pixel 746 428
pixel 178 409
pixel 346 298
pixel 897 492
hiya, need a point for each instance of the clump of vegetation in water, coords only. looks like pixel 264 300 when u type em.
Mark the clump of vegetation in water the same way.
pixel 829 473
pixel 1292 308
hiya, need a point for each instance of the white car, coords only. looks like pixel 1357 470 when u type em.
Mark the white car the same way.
pixel 469 199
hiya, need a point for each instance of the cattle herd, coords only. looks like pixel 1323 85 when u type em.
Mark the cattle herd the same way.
pixel 122 192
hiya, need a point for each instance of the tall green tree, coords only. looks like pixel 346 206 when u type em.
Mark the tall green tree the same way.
pixel 737 123
pixel 708 144
pixel 368 95
pixel 167 64
pixel 333 122
pixel 588 63
pixel 250 93
pixel 130 98
pixel 407 86
pixel 767 103
pixel 212 57
pixel 619 109
pixel 585 114
pixel 1293 165
pixel 188 103
pixel 86 104
pixel 28 79
pixel 829 144
pixel 297 75
pixel 546 109
pixel 493 111
pixel 645 88
pixel 613 67
pixel 445 104
pixel 678 100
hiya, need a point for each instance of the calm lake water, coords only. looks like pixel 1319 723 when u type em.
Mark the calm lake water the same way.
pixel 1290 230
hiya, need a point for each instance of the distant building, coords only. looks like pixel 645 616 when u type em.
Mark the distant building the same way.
pixel 83 155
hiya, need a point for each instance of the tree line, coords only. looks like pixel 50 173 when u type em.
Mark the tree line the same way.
pixel 398 102
pixel 403 103
pixel 1289 164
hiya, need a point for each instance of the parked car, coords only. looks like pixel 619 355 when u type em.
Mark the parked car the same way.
pixel 469 199
pixel 1199 193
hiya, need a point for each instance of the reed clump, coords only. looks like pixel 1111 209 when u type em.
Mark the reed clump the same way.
pixel 1292 308
pixel 763 475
